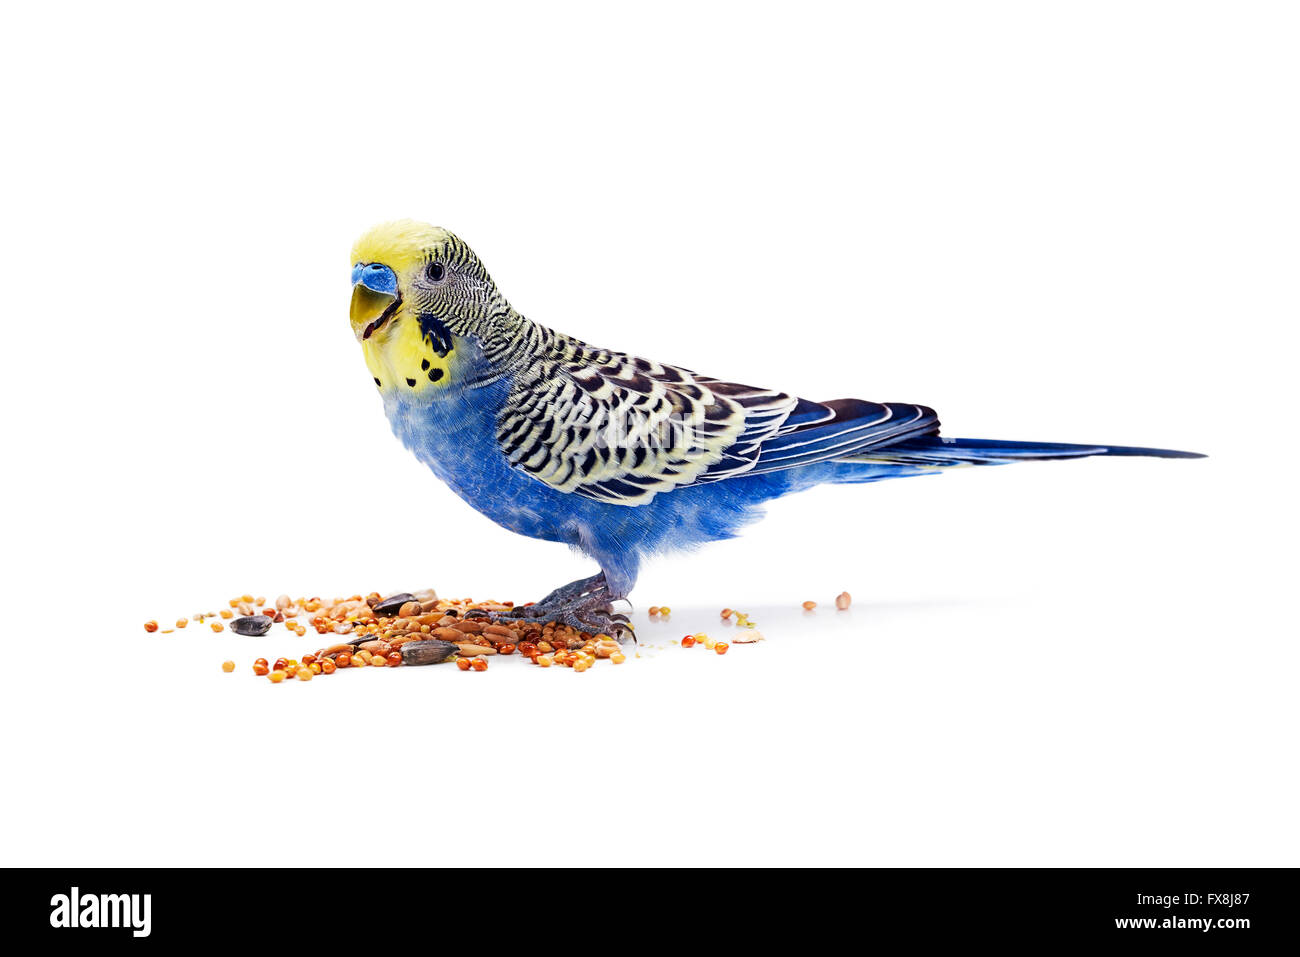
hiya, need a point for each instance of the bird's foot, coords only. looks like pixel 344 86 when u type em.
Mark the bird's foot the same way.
pixel 553 606
pixel 585 605
pixel 597 618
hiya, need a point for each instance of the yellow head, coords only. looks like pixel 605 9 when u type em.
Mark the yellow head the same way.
pixel 417 293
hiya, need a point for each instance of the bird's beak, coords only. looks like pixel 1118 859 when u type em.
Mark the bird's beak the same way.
pixel 375 297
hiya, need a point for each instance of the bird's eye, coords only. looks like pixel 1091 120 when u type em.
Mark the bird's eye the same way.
pixel 435 271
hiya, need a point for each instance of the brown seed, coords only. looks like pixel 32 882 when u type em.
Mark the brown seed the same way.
pixel 410 609
pixel 842 600
pixel 427 652
pixel 469 650
pixel 470 626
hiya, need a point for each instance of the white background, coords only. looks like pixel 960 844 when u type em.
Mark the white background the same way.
pixel 1070 222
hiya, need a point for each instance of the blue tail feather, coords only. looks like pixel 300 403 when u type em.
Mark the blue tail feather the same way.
pixel 931 452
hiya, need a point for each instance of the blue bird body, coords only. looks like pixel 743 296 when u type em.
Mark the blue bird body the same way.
pixel 616 456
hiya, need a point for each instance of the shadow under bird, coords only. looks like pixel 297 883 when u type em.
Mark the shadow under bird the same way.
pixel 617 456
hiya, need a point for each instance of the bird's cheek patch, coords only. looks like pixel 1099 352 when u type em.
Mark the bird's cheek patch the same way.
pixel 421 364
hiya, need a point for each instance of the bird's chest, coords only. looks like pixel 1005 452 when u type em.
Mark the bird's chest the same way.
pixel 455 436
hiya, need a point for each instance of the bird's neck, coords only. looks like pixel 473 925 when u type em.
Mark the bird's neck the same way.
pixel 516 341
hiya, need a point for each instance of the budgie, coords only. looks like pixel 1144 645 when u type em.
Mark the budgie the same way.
pixel 616 456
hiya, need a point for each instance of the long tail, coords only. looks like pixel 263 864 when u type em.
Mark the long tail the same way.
pixel 938 452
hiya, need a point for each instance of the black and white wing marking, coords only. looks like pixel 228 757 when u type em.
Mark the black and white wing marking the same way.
pixel 620 429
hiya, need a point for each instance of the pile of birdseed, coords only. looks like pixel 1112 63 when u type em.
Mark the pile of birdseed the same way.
pixel 419 628
pixel 409 628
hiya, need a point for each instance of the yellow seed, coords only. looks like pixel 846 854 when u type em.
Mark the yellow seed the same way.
pixel 708 642
pixel 227 613
pixel 304 674
pixel 227 666
pixel 665 610
pixel 217 626
pixel 618 658
pixel 276 676
pixel 182 622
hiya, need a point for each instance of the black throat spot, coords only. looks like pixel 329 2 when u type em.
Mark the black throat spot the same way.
pixel 436 334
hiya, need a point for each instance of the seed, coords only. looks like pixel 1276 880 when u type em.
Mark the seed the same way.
pixel 688 641
pixel 809 605
pixel 182 622
pixel 479 664
pixel 304 674
pixel 151 626
pixel 747 637
pixel 314 667
pixel 251 625
pixel 227 666
pixel 280 664
pixel 327 667
pixel 376 661
pixel 545 661
pixel 343 660
pixel 618 657
pixel 721 647
pixel 429 651
pixel 246 599
pixel 226 613
pixel 217 626
pixel 842 600
pixel 392 605
pixel 665 610
pixel 654 611
pixel 260 668
pixel 409 609
pixel 506 649
pixel 726 613
pixel 462 664
pixel 394 659
pixel 276 676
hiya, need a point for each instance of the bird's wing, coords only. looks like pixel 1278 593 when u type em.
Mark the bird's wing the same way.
pixel 620 429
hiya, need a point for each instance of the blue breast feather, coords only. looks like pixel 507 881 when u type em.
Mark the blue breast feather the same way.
pixel 455 436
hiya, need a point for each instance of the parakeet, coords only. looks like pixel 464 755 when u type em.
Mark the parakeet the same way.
pixel 617 456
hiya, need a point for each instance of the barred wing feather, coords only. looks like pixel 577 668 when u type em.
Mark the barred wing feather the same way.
pixel 620 429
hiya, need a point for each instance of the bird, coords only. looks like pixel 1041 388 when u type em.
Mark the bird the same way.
pixel 619 457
